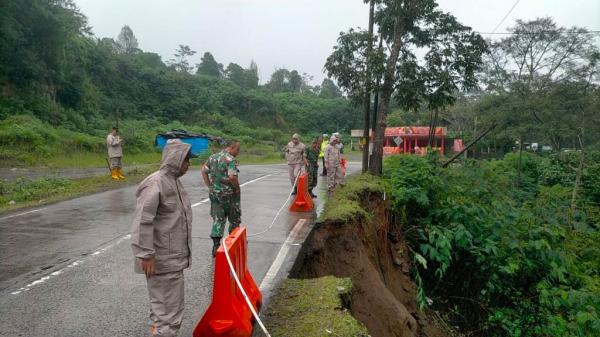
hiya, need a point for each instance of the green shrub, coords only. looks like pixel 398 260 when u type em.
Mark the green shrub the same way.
pixel 503 256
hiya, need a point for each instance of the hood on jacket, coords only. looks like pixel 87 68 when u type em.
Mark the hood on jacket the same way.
pixel 173 156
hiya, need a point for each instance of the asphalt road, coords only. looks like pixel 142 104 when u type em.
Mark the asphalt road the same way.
pixel 67 270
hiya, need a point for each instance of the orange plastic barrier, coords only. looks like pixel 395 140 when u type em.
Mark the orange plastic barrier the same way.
pixel 228 314
pixel 303 201
pixel 343 164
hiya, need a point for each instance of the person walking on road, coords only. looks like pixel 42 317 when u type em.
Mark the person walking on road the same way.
pixel 220 174
pixel 333 162
pixel 295 154
pixel 324 144
pixel 115 153
pixel 161 238
pixel 312 157
pixel 339 145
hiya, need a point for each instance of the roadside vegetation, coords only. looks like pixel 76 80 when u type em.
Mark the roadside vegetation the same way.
pixel 62 89
pixel 504 247
pixel 25 192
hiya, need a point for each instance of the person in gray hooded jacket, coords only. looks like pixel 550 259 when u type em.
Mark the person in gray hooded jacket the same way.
pixel 161 238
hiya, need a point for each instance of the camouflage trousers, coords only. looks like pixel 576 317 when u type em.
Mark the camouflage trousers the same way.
pixel 224 207
pixel 313 174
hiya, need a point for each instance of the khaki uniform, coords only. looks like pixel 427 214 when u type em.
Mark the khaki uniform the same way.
pixel 162 229
pixel 333 164
pixel 115 151
pixel 294 154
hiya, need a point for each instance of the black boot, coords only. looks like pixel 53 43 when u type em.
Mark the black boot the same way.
pixel 312 194
pixel 216 244
pixel 295 191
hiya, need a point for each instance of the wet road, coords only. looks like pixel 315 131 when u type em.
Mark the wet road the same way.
pixel 66 269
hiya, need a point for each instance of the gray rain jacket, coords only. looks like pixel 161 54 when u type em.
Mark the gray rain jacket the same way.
pixel 162 225
pixel 114 146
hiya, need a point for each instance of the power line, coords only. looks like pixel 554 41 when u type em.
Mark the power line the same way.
pixel 506 16
pixel 539 32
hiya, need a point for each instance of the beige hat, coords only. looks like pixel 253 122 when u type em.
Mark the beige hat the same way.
pixel 295 136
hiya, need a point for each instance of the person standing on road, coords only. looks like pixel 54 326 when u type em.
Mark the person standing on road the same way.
pixel 220 174
pixel 312 157
pixel 339 145
pixel 324 144
pixel 161 237
pixel 115 153
pixel 333 162
pixel 295 154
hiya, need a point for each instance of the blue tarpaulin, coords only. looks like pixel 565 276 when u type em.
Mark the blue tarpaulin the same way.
pixel 199 142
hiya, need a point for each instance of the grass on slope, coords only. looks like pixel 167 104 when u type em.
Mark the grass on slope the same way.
pixel 313 308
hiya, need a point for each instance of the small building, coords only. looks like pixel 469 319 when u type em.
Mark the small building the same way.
pixel 409 139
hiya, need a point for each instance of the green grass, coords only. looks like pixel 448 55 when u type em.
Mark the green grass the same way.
pixel 26 141
pixel 253 154
pixel 29 193
pixel 313 308
pixel 344 204
pixel 84 160
pixel 260 154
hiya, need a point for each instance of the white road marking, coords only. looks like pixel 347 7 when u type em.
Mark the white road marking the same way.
pixel 269 278
pixel 100 251
pixel 204 201
pixel 255 180
pixel 20 214
pixel 72 265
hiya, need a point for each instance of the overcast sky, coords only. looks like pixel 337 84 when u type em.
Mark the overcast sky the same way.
pixel 295 34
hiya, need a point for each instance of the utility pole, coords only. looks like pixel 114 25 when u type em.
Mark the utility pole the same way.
pixel 378 83
pixel 367 120
pixel 470 144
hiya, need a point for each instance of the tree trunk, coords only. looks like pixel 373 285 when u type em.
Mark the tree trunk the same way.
pixel 520 159
pixel 367 120
pixel 376 164
pixel 578 174
pixel 377 92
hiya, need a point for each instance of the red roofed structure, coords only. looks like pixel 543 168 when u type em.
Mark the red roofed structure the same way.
pixel 412 139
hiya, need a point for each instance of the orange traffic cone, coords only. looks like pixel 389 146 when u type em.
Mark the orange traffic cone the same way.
pixel 303 201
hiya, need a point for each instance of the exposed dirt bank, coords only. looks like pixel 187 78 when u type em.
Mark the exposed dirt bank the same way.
pixel 364 245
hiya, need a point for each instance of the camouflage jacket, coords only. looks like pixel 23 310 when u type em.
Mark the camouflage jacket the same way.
pixel 219 167
pixel 312 156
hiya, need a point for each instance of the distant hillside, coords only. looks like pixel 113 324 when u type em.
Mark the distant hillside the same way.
pixel 53 68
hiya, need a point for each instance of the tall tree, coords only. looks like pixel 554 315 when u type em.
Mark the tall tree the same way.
pixel 236 74
pixel 128 43
pixel 279 81
pixel 452 56
pixel 328 89
pixel 252 75
pixel 349 61
pixel 539 53
pixel 295 81
pixel 180 62
pixel 368 89
pixel 209 66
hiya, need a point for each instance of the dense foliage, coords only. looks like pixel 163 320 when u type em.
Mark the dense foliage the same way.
pixel 539 85
pixel 504 253
pixel 53 68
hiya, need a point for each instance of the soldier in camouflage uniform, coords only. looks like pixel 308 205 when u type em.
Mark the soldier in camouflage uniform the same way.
pixel 220 174
pixel 312 157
